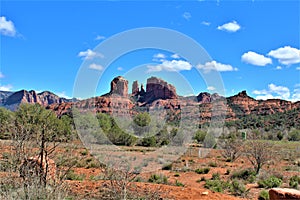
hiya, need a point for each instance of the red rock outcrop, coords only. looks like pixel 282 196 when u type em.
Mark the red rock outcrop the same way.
pixel 24 96
pixel 284 194
pixel 119 86
pixel 135 88
pixel 159 89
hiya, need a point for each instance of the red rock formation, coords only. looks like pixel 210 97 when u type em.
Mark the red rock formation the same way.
pixel 159 89
pixel 135 88
pixel 119 86
pixel 23 96
pixel 284 194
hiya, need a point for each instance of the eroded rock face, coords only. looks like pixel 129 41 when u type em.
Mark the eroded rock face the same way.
pixel 135 88
pixel 159 89
pixel 284 194
pixel 24 96
pixel 119 86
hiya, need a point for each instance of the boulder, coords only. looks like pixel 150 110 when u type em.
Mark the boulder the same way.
pixel 284 194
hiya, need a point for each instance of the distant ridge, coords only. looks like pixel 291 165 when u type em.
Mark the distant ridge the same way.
pixel 158 93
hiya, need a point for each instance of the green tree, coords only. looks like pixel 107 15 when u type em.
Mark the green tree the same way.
pixel 142 119
pixel 294 135
pixel 199 136
pixel 6 123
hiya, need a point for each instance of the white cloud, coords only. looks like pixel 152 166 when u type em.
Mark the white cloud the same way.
pixel 7 27
pixel 205 23
pixel 255 59
pixel 278 68
pixel 160 56
pixel 5 87
pixel 120 69
pixel 286 55
pixel 296 95
pixel 230 27
pixel 100 37
pixel 96 67
pixel 186 15
pixel 175 56
pixel 211 88
pixel 63 95
pixel 273 92
pixel 90 54
pixel 1 75
pixel 173 65
pixel 297 68
pixel 215 66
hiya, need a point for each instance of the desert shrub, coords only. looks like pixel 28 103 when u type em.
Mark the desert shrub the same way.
pixel 238 189
pixel 177 183
pixel 215 176
pixel 212 164
pixel 72 176
pixel 270 182
pixel 216 185
pixel 294 135
pixel 160 179
pixel 199 136
pixel 202 170
pixel 294 181
pixel 176 175
pixel 264 195
pixel 245 174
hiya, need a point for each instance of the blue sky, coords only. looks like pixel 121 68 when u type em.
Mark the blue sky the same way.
pixel 253 45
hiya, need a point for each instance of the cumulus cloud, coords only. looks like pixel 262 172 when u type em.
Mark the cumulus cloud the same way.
pixel 286 55
pixel 273 92
pixel 159 56
pixel 255 59
pixel 230 27
pixel 120 69
pixel 296 94
pixel 211 88
pixel 90 54
pixel 100 37
pixel 1 75
pixel 5 87
pixel 186 15
pixel 278 68
pixel 205 23
pixel 7 27
pixel 215 66
pixel 297 68
pixel 175 56
pixel 96 67
pixel 173 65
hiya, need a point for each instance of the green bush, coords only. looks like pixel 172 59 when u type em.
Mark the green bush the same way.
pixel 199 136
pixel 237 188
pixel 294 181
pixel 160 179
pixel 177 183
pixel 294 135
pixel 264 195
pixel 215 176
pixel 270 182
pixel 72 176
pixel 212 164
pixel 245 174
pixel 202 170
pixel 216 185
